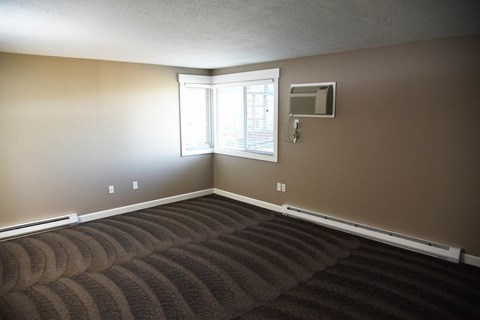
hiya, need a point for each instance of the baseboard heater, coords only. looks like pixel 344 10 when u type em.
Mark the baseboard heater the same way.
pixel 37 226
pixel 410 243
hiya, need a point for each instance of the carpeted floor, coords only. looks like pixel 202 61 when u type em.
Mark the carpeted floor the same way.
pixel 215 258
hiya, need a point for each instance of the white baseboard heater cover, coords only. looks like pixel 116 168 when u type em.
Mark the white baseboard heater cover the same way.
pixel 37 226
pixel 410 243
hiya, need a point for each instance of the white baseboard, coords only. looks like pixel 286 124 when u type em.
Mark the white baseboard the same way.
pixel 143 205
pixel 464 258
pixel 149 204
pixel 469 259
pixel 32 227
pixel 404 241
pixel 253 201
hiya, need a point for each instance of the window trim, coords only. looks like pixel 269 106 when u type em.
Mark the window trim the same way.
pixel 193 81
pixel 241 78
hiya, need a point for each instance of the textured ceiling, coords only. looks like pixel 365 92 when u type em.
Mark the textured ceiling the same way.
pixel 220 33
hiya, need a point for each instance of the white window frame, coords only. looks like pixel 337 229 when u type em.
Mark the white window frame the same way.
pixel 186 81
pixel 241 78
pixel 247 78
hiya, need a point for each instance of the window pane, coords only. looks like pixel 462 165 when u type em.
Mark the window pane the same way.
pixel 230 117
pixel 260 116
pixel 239 108
pixel 196 115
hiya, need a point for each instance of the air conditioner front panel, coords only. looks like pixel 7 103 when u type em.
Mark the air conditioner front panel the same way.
pixel 313 100
pixel 302 104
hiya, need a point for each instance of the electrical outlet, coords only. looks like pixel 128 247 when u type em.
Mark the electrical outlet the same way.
pixel 279 186
pixel 284 187
pixel 111 189
pixel 135 185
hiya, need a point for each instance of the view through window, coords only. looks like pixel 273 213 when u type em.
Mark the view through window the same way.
pixel 234 114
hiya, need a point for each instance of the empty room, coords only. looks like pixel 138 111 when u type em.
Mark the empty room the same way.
pixel 262 159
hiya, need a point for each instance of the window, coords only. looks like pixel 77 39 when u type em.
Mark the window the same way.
pixel 245 119
pixel 234 114
pixel 196 118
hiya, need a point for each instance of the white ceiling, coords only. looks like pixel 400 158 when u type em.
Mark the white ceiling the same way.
pixel 219 33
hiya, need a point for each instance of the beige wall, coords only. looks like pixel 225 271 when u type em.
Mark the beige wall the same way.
pixel 403 152
pixel 71 127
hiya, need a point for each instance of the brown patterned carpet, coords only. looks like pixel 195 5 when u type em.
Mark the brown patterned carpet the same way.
pixel 216 258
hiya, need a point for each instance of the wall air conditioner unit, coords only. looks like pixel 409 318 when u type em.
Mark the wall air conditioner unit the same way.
pixel 37 226
pixel 313 99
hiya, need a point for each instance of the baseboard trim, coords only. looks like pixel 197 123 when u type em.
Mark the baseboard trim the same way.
pixel 470 259
pixel 143 205
pixel 255 202
pixel 38 226
pixel 464 257
pixel 404 241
